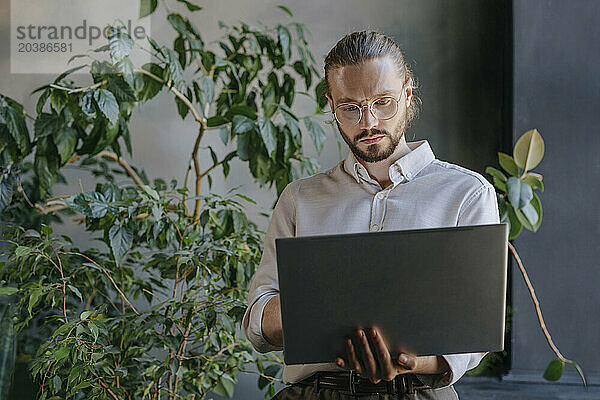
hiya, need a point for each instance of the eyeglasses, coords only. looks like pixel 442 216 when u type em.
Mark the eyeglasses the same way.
pixel 350 114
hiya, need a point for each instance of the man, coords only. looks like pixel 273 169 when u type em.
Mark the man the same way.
pixel 385 183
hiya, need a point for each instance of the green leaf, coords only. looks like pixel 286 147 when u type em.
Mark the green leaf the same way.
pixel 316 133
pixel 23 251
pixel 120 44
pixel 495 173
pixel 57 382
pixel 87 104
pixel 241 124
pixel 225 387
pixel 267 132
pixel 243 146
pixel 85 315
pixel 554 370
pixel 224 135
pixel 151 192
pixel 519 193
pixel 286 10
pixel 7 290
pixel 121 239
pixel 46 164
pixel 107 104
pixel 217 120
pixel 182 108
pixel 529 150
pixel 533 180
pixel 190 6
pixel 515 224
pixel 34 299
pixel 508 164
pixel 120 88
pixel 288 89
pixel 208 88
pixel 498 177
pixel 65 141
pixel 58 100
pixel 46 124
pixel 531 214
pixel 241 109
pixel 149 87
pixel 93 329
pixel 147 7
pixel 579 371
pixel 246 198
pixel 174 66
pixel 284 41
pixel 76 291
pixel 11 115
pixel 320 94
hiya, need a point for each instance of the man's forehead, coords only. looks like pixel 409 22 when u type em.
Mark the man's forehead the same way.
pixel 365 80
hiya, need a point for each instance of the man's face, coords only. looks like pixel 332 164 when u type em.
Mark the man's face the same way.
pixel 371 140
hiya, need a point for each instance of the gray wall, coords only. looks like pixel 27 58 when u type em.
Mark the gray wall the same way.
pixel 456 49
pixel 557 91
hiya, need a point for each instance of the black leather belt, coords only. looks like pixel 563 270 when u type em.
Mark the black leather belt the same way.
pixel 353 383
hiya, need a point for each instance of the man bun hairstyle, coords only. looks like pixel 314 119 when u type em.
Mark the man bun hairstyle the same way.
pixel 358 47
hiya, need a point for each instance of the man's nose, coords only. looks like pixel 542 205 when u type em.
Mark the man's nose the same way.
pixel 367 121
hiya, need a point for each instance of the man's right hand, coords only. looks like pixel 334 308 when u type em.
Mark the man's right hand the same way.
pixel 271 322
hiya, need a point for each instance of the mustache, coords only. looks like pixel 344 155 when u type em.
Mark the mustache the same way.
pixel 371 132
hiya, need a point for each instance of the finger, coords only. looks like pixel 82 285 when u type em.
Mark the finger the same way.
pixel 352 359
pixel 406 361
pixel 387 367
pixel 367 357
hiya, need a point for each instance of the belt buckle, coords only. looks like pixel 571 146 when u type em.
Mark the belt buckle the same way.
pixel 405 384
pixel 353 382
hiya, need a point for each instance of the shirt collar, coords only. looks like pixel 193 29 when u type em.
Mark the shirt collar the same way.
pixel 407 166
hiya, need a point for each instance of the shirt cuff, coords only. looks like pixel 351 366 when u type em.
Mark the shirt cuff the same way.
pixel 254 325
pixel 459 364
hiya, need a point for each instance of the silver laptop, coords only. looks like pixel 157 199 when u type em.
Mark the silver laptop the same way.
pixel 431 291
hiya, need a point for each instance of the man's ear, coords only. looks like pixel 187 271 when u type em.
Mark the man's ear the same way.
pixel 408 90
pixel 330 101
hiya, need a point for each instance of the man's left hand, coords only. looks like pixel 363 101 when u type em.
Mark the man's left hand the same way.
pixel 376 363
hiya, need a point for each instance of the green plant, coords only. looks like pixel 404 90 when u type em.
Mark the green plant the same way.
pixel 153 313
pixel 520 206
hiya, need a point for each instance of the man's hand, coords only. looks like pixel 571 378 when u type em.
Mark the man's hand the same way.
pixel 377 364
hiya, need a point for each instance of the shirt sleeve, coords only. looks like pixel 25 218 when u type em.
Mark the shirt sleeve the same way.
pixel 265 283
pixel 480 208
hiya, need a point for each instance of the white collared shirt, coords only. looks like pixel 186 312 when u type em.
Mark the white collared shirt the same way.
pixel 425 193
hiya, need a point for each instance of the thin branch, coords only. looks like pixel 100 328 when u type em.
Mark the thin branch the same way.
pixel 177 93
pixel 107 274
pixel 83 89
pixel 536 303
pixel 211 168
pixel 124 164
pixel 198 172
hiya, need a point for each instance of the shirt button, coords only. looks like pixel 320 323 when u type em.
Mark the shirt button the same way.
pixel 380 196
pixel 408 175
pixel 374 227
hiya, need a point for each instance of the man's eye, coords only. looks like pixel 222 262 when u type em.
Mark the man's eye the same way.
pixel 382 102
pixel 350 108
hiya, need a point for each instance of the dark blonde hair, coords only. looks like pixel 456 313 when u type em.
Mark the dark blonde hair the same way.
pixel 358 47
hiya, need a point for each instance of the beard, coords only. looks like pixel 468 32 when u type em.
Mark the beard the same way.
pixel 375 152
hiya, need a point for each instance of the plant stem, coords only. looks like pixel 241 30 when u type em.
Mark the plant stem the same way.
pixel 107 275
pixel 197 172
pixel 124 164
pixel 536 303
pixel 177 93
